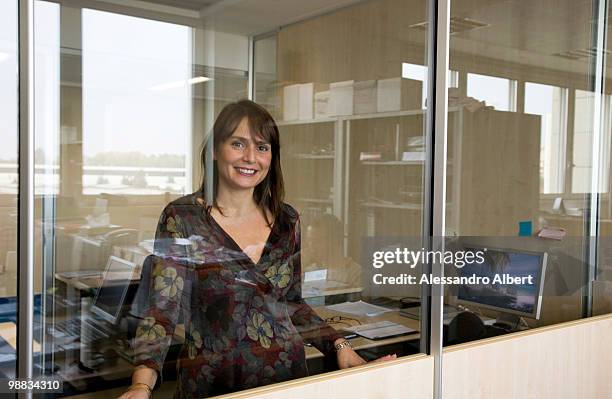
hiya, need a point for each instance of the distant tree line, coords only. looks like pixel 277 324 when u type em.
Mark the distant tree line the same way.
pixel 134 158
pixel 116 158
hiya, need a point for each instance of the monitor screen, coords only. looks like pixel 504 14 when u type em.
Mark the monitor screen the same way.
pixel 515 281
pixel 111 294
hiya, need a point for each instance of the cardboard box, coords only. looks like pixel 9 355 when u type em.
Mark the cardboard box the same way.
pixel 298 100
pixel 291 95
pixel 397 94
pixel 306 99
pixel 341 98
pixel 321 104
pixel 364 100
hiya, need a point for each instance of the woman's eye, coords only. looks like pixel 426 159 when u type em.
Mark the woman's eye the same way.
pixel 237 144
pixel 263 148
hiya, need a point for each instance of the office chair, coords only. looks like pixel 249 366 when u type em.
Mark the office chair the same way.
pixel 465 327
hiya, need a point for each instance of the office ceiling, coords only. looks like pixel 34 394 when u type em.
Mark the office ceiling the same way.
pixel 553 33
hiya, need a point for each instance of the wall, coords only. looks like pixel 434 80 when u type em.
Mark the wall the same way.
pixel 569 360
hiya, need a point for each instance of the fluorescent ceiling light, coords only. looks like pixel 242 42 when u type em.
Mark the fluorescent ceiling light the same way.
pixel 180 83
pixel 4 56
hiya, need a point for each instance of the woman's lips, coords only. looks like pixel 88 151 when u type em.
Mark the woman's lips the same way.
pixel 246 171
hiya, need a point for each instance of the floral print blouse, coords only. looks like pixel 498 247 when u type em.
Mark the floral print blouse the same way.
pixel 245 323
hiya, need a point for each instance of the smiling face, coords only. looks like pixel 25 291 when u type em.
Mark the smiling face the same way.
pixel 243 159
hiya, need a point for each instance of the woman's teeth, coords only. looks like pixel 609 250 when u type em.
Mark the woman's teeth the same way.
pixel 248 172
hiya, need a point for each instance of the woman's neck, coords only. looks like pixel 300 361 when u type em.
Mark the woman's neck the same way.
pixel 236 203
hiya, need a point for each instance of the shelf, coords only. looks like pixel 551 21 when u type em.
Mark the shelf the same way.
pixel 392 162
pixel 407 206
pixel 315 200
pixel 375 115
pixel 313 156
pixel 307 121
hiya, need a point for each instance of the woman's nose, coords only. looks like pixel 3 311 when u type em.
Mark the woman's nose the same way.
pixel 249 154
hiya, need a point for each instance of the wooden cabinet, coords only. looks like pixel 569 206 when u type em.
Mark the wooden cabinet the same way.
pixel 495 157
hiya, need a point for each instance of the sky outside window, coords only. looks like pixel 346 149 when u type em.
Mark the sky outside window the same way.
pixel 492 90
pixel 549 102
pixel 136 100
pixel 419 72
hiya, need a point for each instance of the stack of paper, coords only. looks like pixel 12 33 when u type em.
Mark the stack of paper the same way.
pixel 359 308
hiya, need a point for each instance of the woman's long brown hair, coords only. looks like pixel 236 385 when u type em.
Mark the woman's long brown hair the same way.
pixel 268 194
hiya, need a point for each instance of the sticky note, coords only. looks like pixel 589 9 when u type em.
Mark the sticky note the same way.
pixel 525 228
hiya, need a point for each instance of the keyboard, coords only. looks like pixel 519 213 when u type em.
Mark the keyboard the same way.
pixel 72 328
pixel 68 327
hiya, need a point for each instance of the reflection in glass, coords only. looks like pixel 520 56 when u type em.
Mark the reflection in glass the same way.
pixel 137 100
pixel 521 162
pixel 550 103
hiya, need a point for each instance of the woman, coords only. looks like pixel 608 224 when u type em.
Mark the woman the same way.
pixel 228 268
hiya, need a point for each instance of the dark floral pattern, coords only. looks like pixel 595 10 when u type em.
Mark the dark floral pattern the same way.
pixel 245 324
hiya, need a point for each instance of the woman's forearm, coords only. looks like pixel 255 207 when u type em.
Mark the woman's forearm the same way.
pixel 144 375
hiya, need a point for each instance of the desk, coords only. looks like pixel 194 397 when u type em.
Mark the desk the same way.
pixel 8 332
pixel 327 288
pixel 90 282
pixel 364 343
pixel 76 284
pixel 574 225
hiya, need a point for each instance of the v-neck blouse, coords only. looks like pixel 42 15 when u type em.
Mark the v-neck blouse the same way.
pixel 233 242
pixel 245 323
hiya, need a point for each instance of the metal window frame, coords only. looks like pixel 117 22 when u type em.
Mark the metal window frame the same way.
pixel 434 211
pixel 25 235
pixel 435 171
pixel 592 215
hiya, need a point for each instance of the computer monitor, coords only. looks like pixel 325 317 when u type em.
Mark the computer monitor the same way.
pixel 519 299
pixel 111 295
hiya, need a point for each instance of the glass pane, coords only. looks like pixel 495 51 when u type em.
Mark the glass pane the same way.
pixel 419 72
pixel 494 91
pixel 583 142
pixel 550 103
pixel 265 75
pixel 519 166
pixel 144 90
pixel 165 241
pixel 8 185
pixel 351 121
pixel 602 286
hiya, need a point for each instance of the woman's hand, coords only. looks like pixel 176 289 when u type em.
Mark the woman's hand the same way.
pixel 138 393
pixel 143 380
pixel 347 357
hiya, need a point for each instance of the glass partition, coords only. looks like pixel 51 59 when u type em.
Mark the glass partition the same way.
pixel 349 95
pixel 520 165
pixel 209 245
pixel 602 284
pixel 8 186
